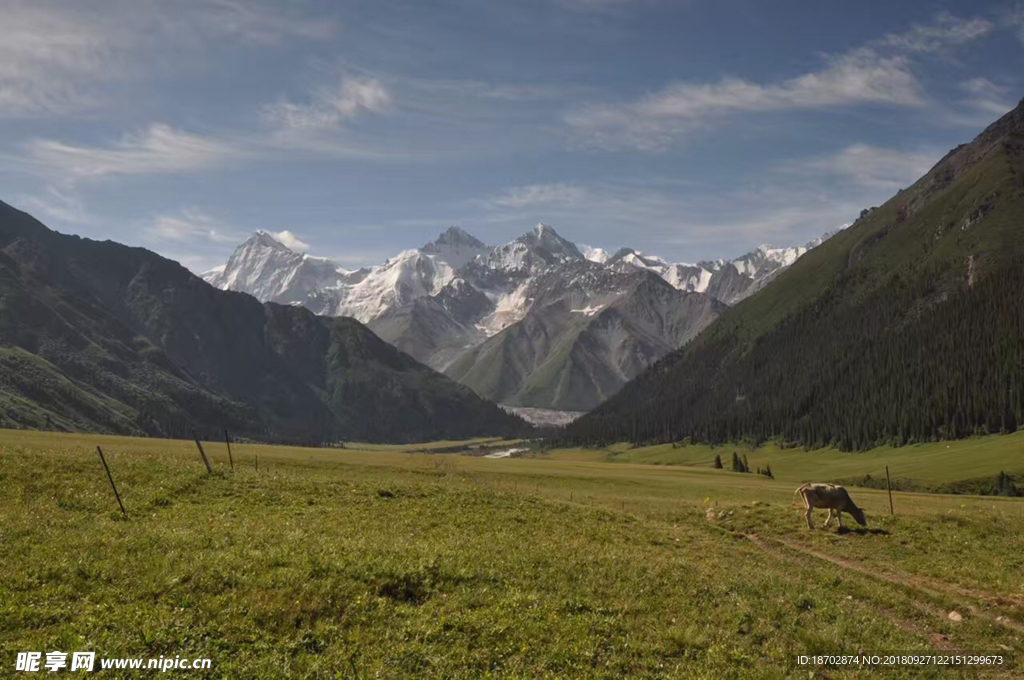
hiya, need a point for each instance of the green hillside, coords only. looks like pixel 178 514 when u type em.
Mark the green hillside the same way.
pixel 101 337
pixel 905 327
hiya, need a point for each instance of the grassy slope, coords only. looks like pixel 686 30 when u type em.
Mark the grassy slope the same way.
pixel 933 226
pixel 931 463
pixel 358 562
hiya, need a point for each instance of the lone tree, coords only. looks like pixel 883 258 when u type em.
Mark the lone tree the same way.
pixel 718 462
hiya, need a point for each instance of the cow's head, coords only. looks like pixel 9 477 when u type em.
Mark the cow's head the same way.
pixel 858 515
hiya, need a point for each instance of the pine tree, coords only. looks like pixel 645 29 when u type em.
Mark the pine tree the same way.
pixel 718 462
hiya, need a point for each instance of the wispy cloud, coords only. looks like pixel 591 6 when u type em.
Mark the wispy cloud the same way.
pixel 685 226
pixel 794 202
pixel 539 195
pixel 987 97
pixel 330 107
pixel 944 32
pixel 194 226
pixel 199 240
pixel 57 205
pixel 260 22
pixel 656 121
pixel 870 167
pixel 57 58
pixel 879 73
pixel 158 149
pixel 1013 18
pixel 386 116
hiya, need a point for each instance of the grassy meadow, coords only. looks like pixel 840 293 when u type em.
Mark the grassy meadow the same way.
pixel 398 562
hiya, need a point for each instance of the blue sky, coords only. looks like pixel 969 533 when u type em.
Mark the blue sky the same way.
pixel 691 129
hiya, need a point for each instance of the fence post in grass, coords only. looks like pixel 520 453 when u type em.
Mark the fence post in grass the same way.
pixel 111 478
pixel 202 454
pixel 227 440
pixel 888 487
pixel 257 463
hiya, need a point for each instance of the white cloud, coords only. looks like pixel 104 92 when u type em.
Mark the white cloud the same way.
pixel 330 108
pixel 157 149
pixel 872 167
pixel 58 205
pixel 945 31
pixel 656 121
pixel 539 195
pixel 193 226
pixel 879 73
pixel 259 23
pixel 290 240
pixel 59 57
pixel 986 97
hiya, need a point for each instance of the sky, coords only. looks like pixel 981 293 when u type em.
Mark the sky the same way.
pixel 690 129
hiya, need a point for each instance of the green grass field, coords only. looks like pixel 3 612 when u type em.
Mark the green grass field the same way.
pixel 932 463
pixel 377 562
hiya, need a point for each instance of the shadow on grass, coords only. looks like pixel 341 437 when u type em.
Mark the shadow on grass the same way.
pixel 863 532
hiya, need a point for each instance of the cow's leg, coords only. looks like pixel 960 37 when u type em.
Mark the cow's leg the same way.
pixel 810 509
pixel 828 520
pixel 839 516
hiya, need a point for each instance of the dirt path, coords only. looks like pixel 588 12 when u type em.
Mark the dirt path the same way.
pixel 918 582
pixel 910 582
pixel 935 640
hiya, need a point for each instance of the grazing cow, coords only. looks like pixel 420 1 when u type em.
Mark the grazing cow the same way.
pixel 831 496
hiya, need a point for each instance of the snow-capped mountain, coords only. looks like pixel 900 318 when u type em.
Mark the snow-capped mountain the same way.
pixel 536 322
pixel 726 280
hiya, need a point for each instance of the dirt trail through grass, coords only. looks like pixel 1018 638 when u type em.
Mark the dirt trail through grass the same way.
pixel 911 582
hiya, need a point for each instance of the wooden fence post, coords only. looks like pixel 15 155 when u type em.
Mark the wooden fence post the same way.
pixel 202 454
pixel 227 440
pixel 111 478
pixel 888 486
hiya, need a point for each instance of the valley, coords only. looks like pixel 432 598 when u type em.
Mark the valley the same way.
pixel 399 340
pixel 402 563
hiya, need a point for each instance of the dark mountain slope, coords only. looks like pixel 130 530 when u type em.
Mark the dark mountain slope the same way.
pixel 100 336
pixel 908 325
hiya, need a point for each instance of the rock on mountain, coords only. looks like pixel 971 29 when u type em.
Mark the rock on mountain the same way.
pixel 97 336
pixel 904 327
pixel 575 348
pixel 536 322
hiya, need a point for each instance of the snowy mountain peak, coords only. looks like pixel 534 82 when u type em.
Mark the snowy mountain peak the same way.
pixel 456 248
pixel 549 246
pixel 454 237
pixel 265 239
